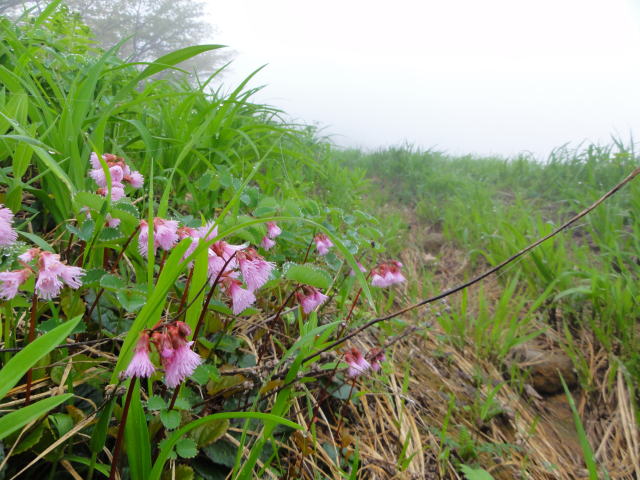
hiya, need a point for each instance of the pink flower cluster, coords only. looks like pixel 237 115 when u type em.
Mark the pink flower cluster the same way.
pixel 52 275
pixel 176 356
pixel 120 174
pixel 358 364
pixel 225 261
pixel 310 298
pixel 323 243
pixel 8 235
pixel 273 231
pixel 165 235
pixel 387 274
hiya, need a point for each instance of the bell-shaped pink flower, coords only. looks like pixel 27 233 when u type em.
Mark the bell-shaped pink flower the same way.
pixel 100 178
pixel 52 272
pixel 310 298
pixel 182 364
pixel 29 255
pixel 267 243
pixel 135 179
pixel 255 269
pixel 11 281
pixel 273 230
pixel 48 284
pixel 112 222
pixel 387 274
pixel 178 359
pixel 8 235
pixel 360 267
pixel 209 231
pixel 165 235
pixel 141 365
pixel 376 356
pixel 241 298
pixel 357 363
pixel 323 243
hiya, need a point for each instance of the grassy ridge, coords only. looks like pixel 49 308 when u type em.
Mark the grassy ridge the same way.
pixel 493 207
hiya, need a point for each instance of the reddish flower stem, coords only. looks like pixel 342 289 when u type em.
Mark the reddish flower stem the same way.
pixel 344 406
pixel 306 255
pixel 32 337
pixel 124 248
pixel 203 314
pixel 123 423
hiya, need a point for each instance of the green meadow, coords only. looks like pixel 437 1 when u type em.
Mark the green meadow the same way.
pixel 530 373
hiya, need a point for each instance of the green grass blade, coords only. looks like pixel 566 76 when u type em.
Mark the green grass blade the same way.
pixel 16 420
pixel 163 455
pixel 29 356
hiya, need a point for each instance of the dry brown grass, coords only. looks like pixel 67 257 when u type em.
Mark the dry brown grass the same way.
pixel 397 424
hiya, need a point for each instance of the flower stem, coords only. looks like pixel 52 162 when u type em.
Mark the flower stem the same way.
pixel 123 422
pixel 32 337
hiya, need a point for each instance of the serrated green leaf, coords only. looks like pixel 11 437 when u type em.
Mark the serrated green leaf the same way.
pixel 92 277
pixel 112 282
pixel 109 234
pixel 170 419
pixel 307 274
pixel 156 402
pixel 182 404
pixel 208 433
pixel 186 447
pixel 131 300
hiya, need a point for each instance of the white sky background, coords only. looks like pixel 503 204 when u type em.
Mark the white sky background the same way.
pixel 462 76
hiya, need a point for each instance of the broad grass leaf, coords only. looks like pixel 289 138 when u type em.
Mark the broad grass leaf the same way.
pixel 29 356
pixel 13 421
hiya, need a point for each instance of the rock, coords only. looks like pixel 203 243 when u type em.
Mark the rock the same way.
pixel 433 242
pixel 544 367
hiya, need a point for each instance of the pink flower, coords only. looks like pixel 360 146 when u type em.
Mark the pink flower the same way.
pixel 255 269
pixel 29 255
pixel 216 264
pixel 141 365
pixel 209 231
pixel 117 191
pixel 187 232
pixel 11 281
pixel 378 280
pixel 135 179
pixel 178 359
pixel 182 364
pixel 165 235
pixel 387 274
pixel 100 178
pixel 95 162
pixel 143 238
pixel 52 272
pixel 310 298
pixel 360 267
pixel 8 235
pixel 323 243
pixel 48 284
pixel 376 356
pixel 273 230
pixel 112 222
pixel 240 298
pixel 357 363
pixel 267 243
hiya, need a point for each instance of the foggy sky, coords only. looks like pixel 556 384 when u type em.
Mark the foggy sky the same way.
pixel 462 76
